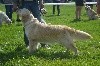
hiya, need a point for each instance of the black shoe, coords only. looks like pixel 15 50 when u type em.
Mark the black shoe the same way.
pixel 58 14
pixel 18 20
pixel 77 19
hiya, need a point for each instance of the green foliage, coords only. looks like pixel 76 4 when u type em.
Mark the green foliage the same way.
pixel 14 53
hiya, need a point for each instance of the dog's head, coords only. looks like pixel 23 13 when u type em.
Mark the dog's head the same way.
pixel 6 18
pixel 23 12
pixel 87 7
pixel 25 15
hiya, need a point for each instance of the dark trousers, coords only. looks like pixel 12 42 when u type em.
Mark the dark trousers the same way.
pixel 25 38
pixel 58 7
pixel 9 10
pixel 34 8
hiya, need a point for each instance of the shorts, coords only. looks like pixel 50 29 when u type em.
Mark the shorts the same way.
pixel 79 3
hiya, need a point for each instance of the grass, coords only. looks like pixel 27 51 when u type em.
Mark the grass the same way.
pixel 14 53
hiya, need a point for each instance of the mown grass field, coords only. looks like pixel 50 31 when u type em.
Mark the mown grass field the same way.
pixel 14 53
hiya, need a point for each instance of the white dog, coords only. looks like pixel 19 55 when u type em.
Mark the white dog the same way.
pixel 44 33
pixel 4 17
pixel 91 13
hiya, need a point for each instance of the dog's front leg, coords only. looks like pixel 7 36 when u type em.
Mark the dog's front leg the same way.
pixel 32 46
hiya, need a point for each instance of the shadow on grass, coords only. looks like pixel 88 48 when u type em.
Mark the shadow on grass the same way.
pixel 77 20
pixel 51 15
pixel 14 54
pixel 53 55
pixel 19 53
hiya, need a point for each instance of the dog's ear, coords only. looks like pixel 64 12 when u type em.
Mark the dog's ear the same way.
pixel 25 11
pixel 19 12
pixel 86 7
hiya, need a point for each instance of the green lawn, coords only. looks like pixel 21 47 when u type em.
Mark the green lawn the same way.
pixel 14 53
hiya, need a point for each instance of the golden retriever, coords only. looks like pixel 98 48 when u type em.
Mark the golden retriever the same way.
pixel 44 33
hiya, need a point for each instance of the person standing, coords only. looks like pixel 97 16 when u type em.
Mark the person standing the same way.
pixel 17 4
pixel 79 4
pixel 58 7
pixel 8 7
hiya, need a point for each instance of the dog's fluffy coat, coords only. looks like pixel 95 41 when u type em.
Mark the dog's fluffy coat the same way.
pixel 44 33
pixel 91 13
pixel 4 17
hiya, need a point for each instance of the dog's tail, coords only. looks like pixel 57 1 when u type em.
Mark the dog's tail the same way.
pixel 81 35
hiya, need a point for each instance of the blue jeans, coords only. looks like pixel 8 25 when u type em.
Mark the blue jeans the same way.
pixel 9 10
pixel 34 8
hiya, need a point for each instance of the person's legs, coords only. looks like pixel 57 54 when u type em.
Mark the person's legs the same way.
pixel 25 38
pixel 54 9
pixel 79 14
pixel 58 9
pixel 11 6
pixel 35 11
pixel 33 7
pixel 76 12
pixel 9 11
pixel 26 5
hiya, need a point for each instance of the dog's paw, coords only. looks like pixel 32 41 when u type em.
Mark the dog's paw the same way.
pixel 76 53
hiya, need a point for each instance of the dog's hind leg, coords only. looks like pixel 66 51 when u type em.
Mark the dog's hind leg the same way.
pixel 72 47
pixel 69 44
pixel 32 46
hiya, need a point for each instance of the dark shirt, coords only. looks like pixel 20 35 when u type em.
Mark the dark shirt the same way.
pixel 88 0
pixel 20 1
pixel 8 1
pixel 79 2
